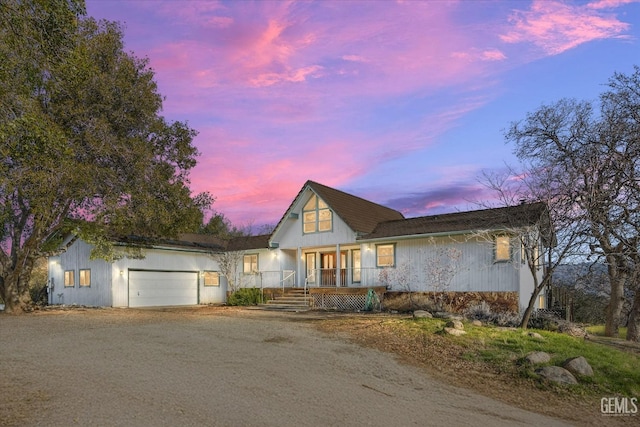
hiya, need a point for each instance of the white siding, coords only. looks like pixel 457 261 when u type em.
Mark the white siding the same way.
pixel 168 260
pixel 110 284
pixel 75 259
pixel 291 236
pixel 477 270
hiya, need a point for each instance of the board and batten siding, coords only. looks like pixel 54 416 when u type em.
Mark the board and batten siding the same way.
pixel 477 269
pixel 110 281
pixel 76 258
pixel 290 234
pixel 168 261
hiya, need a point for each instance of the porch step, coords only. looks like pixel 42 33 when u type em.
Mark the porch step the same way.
pixel 292 300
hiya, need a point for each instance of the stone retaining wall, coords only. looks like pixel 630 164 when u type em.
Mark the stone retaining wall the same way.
pixel 456 302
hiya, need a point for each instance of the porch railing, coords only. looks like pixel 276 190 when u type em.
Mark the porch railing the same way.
pixel 276 279
pixel 349 277
pixel 320 278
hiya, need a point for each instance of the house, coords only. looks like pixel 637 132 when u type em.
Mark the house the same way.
pixel 332 244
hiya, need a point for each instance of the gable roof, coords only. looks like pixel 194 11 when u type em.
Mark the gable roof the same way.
pixel 503 218
pixel 359 214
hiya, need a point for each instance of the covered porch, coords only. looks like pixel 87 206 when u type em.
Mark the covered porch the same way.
pixel 335 266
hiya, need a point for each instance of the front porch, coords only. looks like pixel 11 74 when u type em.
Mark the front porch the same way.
pixel 320 278
pixel 327 298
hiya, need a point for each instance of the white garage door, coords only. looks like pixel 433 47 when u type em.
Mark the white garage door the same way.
pixel 159 288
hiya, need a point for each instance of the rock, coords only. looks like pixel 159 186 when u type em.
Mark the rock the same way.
pixel 536 336
pixel 572 330
pixel 455 324
pixel 578 366
pixel 476 322
pixel 454 331
pixel 536 357
pixel 422 314
pixel 445 315
pixel 557 375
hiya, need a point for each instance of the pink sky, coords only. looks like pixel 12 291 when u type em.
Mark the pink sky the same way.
pixel 401 102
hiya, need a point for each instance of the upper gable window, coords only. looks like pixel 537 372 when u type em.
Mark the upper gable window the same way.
pixel 316 216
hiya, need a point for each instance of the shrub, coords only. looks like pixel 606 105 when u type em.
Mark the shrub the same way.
pixel 245 296
pixel 482 312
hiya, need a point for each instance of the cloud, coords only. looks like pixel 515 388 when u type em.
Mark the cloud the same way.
pixel 298 75
pixel 608 4
pixel 338 92
pixel 440 199
pixel 556 26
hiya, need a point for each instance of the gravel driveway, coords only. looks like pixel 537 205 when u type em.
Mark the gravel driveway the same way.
pixel 214 367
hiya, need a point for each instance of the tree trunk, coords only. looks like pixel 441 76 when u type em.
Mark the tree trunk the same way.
pixel 16 296
pixel 616 300
pixel 14 288
pixel 532 302
pixel 633 327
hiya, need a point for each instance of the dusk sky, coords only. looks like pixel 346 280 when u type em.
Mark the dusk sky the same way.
pixel 401 102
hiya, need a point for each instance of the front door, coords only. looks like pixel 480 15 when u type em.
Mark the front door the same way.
pixel 329 269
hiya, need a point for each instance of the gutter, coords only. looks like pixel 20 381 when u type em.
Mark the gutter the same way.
pixel 425 235
pixel 171 248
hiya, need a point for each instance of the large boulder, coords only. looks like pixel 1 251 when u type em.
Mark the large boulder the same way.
pixel 536 336
pixel 537 357
pixel 421 314
pixel 454 331
pixel 572 329
pixel 455 324
pixel 446 315
pixel 578 366
pixel 557 375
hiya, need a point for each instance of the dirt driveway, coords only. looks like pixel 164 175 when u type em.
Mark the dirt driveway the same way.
pixel 213 367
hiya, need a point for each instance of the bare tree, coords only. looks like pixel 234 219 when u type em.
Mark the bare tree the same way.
pixel 590 156
pixel 441 264
pixel 231 267
pixel 542 248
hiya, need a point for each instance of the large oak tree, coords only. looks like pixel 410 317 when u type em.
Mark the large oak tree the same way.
pixel 84 150
pixel 590 153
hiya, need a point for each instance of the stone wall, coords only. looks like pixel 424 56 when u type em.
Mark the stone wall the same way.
pixel 456 302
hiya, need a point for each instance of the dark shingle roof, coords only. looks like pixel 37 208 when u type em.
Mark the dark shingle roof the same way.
pixel 191 241
pixel 202 242
pixel 486 219
pixel 359 214
pixel 243 243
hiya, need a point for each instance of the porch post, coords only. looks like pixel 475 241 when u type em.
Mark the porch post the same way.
pixel 300 276
pixel 338 267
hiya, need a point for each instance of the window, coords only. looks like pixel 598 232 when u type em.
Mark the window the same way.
pixel 69 279
pixel 356 262
pixel 85 278
pixel 316 216
pixel 541 299
pixel 250 264
pixel 385 255
pixel 503 248
pixel 211 278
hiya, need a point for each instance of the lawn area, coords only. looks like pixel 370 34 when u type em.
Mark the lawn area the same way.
pixel 599 330
pixel 616 372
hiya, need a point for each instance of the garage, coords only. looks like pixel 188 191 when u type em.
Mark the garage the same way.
pixel 162 288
